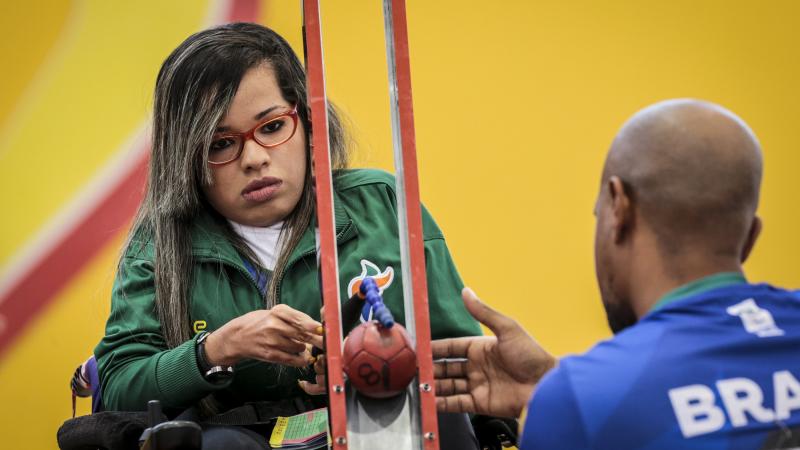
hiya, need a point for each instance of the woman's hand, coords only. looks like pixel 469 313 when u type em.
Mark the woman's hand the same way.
pixel 277 335
pixel 321 385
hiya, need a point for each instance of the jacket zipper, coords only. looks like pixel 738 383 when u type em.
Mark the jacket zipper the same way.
pixel 254 282
pixel 339 236
pixel 238 268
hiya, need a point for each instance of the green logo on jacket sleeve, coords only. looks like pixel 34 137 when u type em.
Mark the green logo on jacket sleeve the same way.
pixel 199 325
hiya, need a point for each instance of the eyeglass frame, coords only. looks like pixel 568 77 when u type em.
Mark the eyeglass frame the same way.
pixel 251 134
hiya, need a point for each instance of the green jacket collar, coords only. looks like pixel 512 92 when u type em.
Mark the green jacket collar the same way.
pixel 344 231
pixel 208 239
pixel 699 286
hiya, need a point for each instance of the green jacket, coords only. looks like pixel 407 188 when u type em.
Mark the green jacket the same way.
pixel 135 364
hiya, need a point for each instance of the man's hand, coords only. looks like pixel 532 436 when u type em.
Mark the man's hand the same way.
pixel 492 375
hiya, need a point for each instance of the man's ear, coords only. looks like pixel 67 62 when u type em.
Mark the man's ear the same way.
pixel 622 215
pixel 752 236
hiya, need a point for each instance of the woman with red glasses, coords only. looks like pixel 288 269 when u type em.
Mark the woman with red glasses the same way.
pixel 216 298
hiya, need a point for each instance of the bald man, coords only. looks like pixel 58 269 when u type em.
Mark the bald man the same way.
pixel 700 358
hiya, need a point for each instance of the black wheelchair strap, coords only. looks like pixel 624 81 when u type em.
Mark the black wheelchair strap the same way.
pixel 259 413
pixel 495 433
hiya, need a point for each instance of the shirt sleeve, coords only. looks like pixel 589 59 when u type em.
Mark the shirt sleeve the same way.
pixel 134 362
pixel 553 418
pixel 448 315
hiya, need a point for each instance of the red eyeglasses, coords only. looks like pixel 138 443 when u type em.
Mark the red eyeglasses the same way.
pixel 270 133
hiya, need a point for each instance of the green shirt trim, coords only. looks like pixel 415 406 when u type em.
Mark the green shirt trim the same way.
pixel 699 286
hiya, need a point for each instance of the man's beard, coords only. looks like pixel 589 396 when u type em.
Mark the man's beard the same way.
pixel 619 316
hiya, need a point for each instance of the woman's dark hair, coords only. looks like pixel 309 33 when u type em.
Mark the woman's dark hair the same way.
pixel 194 89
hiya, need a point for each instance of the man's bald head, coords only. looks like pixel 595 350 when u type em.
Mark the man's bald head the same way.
pixel 693 170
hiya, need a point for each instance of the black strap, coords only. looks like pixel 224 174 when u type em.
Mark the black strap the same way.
pixel 494 433
pixel 256 413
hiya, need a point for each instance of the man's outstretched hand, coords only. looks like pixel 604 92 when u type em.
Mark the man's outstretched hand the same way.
pixel 491 375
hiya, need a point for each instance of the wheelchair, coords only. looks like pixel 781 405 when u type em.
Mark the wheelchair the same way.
pixel 152 430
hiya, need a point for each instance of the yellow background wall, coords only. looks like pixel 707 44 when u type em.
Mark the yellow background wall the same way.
pixel 515 105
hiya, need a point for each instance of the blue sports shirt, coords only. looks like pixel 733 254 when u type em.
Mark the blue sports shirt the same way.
pixel 708 369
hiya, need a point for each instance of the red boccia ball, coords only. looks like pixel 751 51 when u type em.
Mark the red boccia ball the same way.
pixel 378 361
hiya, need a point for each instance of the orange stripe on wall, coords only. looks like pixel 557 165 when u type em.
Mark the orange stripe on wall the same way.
pixel 50 23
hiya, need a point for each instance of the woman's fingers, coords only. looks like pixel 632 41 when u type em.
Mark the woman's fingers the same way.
pixel 319 364
pixel 283 335
pixel 300 321
pixel 317 341
pixel 285 344
pixel 321 381
pixel 296 325
pixel 311 388
pixel 274 355
pixel 277 328
pixel 274 348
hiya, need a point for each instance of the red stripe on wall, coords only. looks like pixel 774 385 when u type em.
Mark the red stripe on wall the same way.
pixel 69 255
pixel 76 248
pixel 244 11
